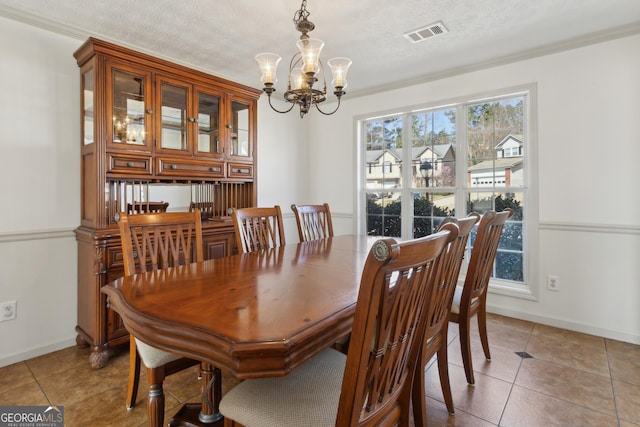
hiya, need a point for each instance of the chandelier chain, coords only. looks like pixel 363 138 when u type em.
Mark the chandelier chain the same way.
pixel 302 14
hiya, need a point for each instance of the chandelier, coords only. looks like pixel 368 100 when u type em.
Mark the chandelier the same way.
pixel 305 70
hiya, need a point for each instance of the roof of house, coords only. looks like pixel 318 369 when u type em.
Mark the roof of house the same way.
pixel 502 163
pixel 416 152
pixel 517 138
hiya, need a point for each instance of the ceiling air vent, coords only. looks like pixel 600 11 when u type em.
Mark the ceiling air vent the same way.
pixel 424 33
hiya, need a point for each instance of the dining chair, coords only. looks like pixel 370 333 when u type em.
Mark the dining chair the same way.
pixel 150 242
pixel 206 208
pixel 435 335
pixel 313 221
pixel 147 207
pixel 471 298
pixel 258 228
pixel 372 384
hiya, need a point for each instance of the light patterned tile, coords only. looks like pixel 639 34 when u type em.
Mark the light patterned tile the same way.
pixel 569 353
pixel 517 324
pixel 485 400
pixel 59 361
pixel 528 408
pixel 78 382
pixel 579 387
pixel 503 332
pixel 628 349
pixel 437 415
pixel 628 401
pixel 15 375
pixel 26 394
pixel 504 364
pixel 565 383
pixel 625 368
pixel 563 335
pixel 108 409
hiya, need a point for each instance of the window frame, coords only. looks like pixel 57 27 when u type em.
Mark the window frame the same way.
pixel 529 288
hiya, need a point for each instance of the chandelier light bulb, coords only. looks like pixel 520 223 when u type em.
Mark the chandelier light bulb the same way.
pixel 296 79
pixel 310 50
pixel 268 63
pixel 339 68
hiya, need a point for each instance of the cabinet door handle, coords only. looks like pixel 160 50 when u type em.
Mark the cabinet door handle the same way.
pixel 174 167
pixel 230 127
pixel 215 168
pixel 192 119
pixel 149 111
pixel 130 164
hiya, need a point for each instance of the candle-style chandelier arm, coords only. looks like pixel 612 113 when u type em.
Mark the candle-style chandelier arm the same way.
pixel 275 109
pixel 328 114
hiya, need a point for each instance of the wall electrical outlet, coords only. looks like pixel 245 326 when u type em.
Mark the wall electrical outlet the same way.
pixel 8 310
pixel 553 283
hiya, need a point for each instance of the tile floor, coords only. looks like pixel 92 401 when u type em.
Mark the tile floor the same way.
pixel 572 379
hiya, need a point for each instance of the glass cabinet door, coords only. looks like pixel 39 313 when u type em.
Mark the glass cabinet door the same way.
pixel 129 107
pixel 240 129
pixel 208 118
pixel 174 118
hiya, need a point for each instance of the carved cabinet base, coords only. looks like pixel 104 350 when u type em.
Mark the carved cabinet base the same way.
pixel 100 262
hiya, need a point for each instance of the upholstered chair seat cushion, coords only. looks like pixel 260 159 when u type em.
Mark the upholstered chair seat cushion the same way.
pixel 152 357
pixel 457 296
pixel 306 397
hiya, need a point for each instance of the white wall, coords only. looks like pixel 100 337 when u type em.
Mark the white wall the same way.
pixel 39 189
pixel 283 164
pixel 588 151
pixel 589 236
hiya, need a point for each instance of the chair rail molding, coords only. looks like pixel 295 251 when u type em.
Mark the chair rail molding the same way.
pixel 590 227
pixel 21 236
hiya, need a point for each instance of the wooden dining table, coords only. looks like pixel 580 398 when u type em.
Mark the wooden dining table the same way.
pixel 253 315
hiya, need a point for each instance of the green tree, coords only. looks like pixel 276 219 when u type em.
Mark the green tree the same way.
pixel 489 123
pixel 384 219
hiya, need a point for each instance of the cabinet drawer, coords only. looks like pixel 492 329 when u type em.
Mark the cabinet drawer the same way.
pixel 128 164
pixel 188 167
pixel 114 258
pixel 240 170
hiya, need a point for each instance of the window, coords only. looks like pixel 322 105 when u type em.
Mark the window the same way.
pixel 386 167
pixel 451 160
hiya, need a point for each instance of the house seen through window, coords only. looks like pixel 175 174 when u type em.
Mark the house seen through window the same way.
pixel 450 161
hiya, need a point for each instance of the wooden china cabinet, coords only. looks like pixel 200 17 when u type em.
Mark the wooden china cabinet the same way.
pixel 153 130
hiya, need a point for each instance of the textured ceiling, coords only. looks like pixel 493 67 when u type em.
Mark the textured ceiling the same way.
pixel 223 36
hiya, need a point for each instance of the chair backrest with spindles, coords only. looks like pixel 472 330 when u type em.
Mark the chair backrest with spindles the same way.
pixel 158 240
pixel 258 228
pixel 387 330
pixel 147 207
pixel 313 221
pixel 483 255
pixel 442 295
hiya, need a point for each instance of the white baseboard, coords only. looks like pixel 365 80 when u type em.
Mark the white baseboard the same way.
pixel 6 360
pixel 565 324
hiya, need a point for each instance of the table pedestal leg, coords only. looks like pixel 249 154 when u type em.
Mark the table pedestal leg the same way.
pixel 211 393
pixel 205 413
